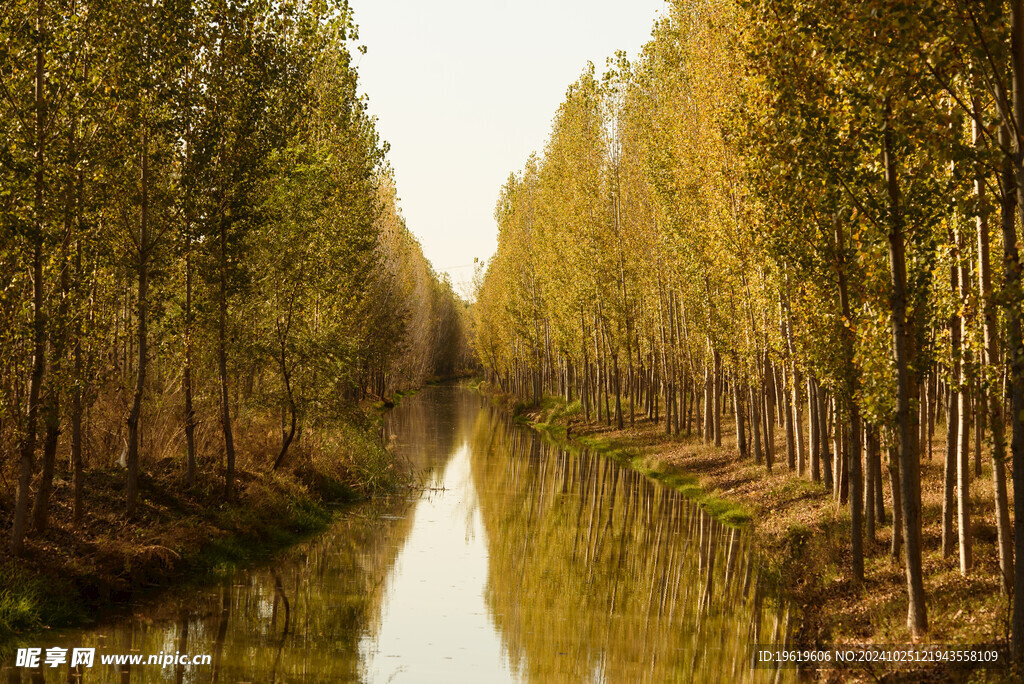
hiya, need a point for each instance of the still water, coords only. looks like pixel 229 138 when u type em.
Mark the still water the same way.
pixel 517 562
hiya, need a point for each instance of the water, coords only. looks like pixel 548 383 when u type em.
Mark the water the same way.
pixel 518 562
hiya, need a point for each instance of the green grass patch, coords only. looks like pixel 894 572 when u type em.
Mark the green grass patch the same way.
pixel 555 409
pixel 556 432
pixel 402 394
pixel 550 403
pixel 29 601
pixel 255 533
pixel 596 443
pixel 571 410
pixel 726 511
pixel 687 484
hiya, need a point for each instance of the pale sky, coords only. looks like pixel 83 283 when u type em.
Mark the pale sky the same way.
pixel 465 90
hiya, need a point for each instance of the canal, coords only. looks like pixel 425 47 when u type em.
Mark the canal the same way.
pixel 514 561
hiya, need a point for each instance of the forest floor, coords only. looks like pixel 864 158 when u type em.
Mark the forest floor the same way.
pixel 804 534
pixel 70 572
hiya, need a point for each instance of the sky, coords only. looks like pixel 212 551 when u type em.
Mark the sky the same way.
pixel 465 90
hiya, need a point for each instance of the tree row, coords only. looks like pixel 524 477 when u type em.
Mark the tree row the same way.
pixel 200 241
pixel 794 217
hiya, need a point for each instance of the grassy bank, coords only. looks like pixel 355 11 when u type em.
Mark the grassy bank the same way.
pixel 71 571
pixel 804 533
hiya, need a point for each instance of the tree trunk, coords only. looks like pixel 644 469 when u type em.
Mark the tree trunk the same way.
pixel 812 425
pixel 990 394
pixel 28 443
pixel 717 389
pixel 980 424
pixel 855 442
pixel 963 469
pixel 190 414
pixel 132 460
pixel 1014 307
pixel 28 440
pixel 77 396
pixel 631 375
pixel 798 423
pixel 287 438
pixel 839 457
pixel 926 407
pixel 755 425
pixel 870 451
pixel 826 459
pixel 222 366
pixel 931 392
pixel 952 423
pixel 586 369
pixel 709 403
pixel 51 410
pixel 769 426
pixel 897 508
pixel 58 344
pixel 879 493
pixel 741 436
pixel 788 422
pixel 618 391
pixel 905 353
pixel 797 381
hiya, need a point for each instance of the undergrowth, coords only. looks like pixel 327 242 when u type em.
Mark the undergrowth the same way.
pixel 71 571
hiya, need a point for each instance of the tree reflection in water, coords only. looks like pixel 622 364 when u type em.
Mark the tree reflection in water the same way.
pixel 599 573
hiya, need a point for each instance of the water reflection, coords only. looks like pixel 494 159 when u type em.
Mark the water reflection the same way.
pixel 519 562
pixel 298 620
pixel 425 429
pixel 435 625
pixel 599 574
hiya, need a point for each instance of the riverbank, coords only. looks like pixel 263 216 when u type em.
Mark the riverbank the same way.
pixel 70 573
pixel 804 533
